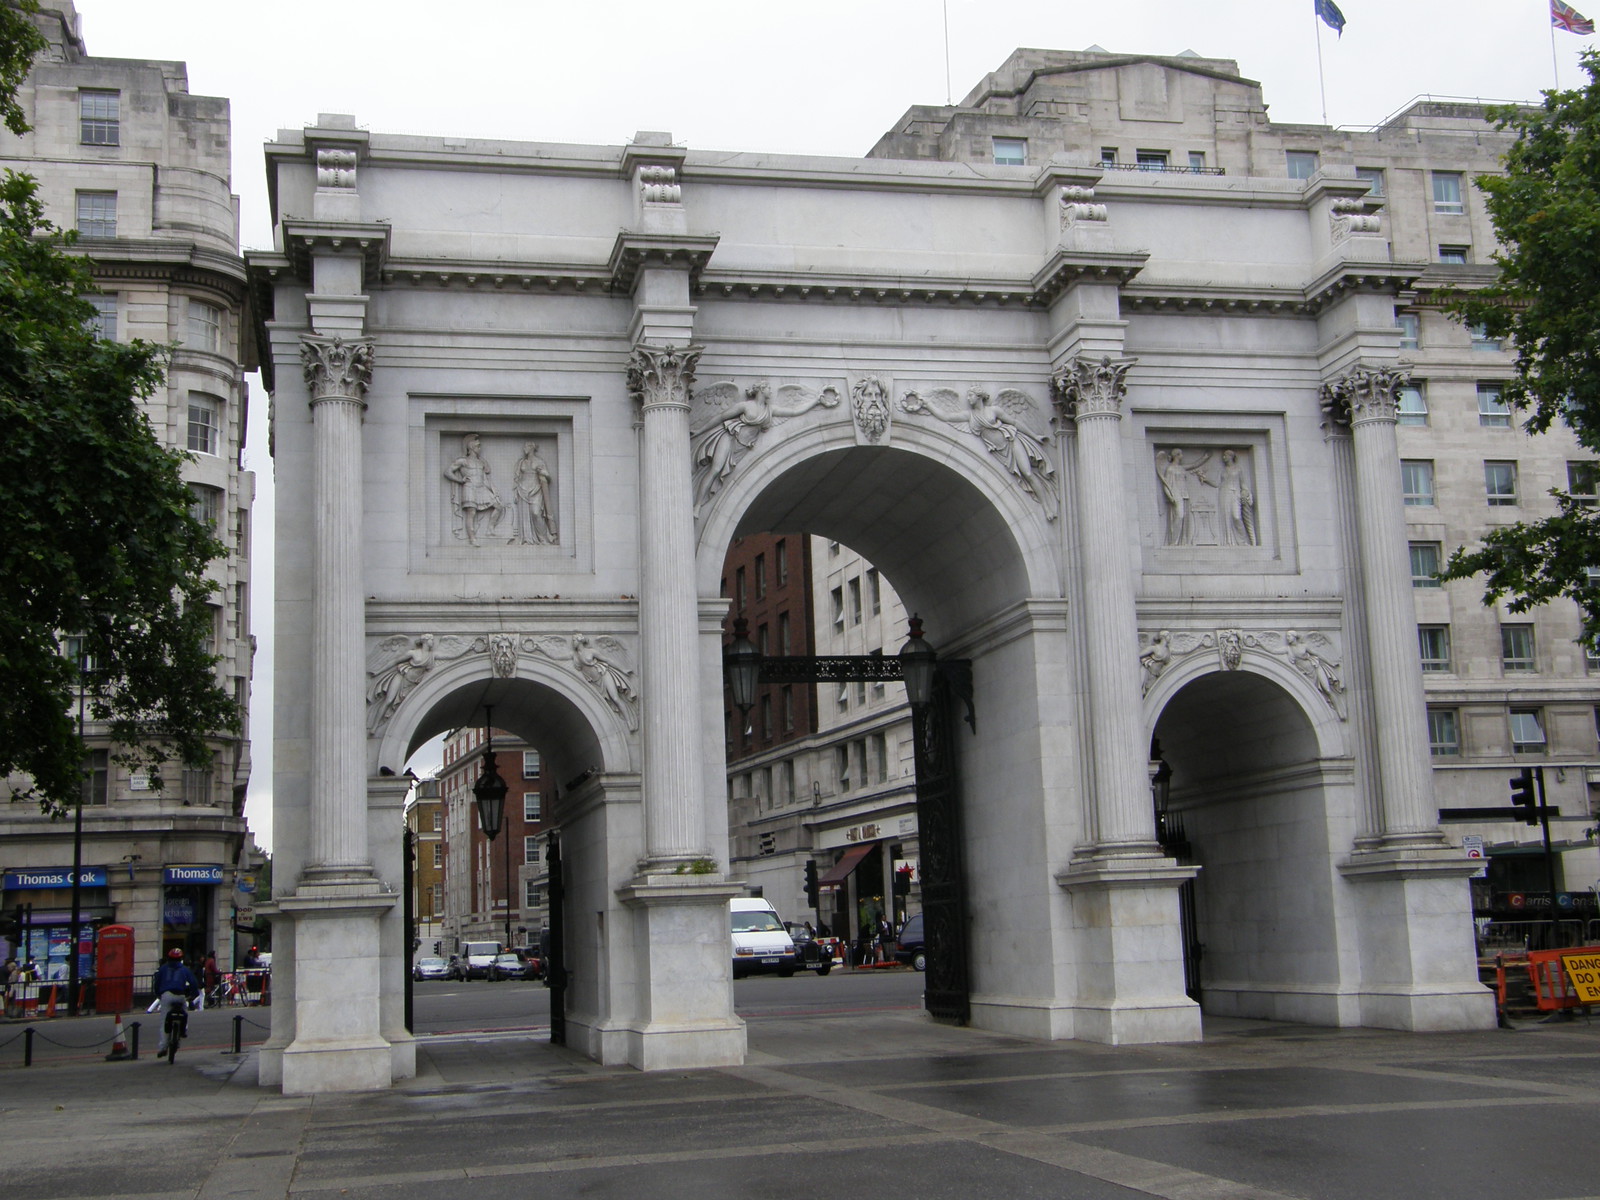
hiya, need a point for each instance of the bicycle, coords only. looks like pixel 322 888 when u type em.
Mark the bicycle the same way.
pixel 176 1026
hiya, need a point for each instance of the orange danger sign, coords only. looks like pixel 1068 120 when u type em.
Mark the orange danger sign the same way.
pixel 1583 970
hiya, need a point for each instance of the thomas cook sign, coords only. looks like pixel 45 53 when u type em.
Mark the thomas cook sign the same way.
pixel 192 874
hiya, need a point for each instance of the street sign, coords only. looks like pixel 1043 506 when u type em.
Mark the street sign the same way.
pixel 1472 843
pixel 1583 971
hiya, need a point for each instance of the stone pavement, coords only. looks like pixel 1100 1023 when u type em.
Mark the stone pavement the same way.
pixel 883 1103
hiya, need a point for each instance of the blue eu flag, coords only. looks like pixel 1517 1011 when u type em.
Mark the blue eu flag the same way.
pixel 1329 12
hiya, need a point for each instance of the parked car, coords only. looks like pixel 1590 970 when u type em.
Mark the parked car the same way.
pixel 476 957
pixel 506 966
pixel 909 946
pixel 810 955
pixel 432 968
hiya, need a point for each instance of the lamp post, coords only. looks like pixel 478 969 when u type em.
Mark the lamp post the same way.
pixel 490 793
pixel 742 663
pixel 919 662
pixel 77 845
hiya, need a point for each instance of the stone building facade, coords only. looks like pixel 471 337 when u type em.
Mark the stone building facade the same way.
pixel 140 168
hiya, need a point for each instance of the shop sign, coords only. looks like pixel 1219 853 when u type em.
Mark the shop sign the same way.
pixel 54 877
pixel 192 874
pixel 862 833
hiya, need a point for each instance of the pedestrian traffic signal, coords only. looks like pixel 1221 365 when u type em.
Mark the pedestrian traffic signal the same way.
pixel 811 882
pixel 1523 797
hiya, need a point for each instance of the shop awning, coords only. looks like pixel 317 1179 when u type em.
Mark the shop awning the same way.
pixel 852 858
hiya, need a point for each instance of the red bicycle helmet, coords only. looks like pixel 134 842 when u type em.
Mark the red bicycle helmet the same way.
pixel 174 953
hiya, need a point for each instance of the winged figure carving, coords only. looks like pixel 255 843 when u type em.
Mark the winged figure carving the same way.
pixel 1011 426
pixel 726 423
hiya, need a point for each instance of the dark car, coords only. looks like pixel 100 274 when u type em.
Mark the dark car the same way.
pixel 909 947
pixel 510 966
pixel 809 954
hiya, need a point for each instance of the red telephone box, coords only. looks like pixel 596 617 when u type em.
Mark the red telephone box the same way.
pixel 113 969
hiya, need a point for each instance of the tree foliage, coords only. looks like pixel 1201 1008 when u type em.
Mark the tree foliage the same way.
pixel 96 535
pixel 20 40
pixel 1546 213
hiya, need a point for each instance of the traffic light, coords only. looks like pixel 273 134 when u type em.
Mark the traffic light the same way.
pixel 1523 797
pixel 811 882
pixel 438 947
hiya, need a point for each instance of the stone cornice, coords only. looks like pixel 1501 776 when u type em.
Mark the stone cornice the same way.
pixel 301 237
pixel 633 252
pixel 149 259
pixel 1066 267
pixel 1345 278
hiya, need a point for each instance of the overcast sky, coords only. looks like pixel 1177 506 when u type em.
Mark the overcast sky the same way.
pixel 824 77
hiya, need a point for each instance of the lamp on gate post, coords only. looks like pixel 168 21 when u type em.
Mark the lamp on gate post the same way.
pixel 919 662
pixel 742 663
pixel 490 794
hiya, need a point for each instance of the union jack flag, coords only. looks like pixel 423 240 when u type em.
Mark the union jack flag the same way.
pixel 1564 16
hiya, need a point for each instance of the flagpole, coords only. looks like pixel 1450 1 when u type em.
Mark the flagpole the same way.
pixel 949 98
pixel 1555 69
pixel 1316 21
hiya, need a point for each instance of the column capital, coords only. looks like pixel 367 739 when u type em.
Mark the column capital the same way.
pixel 336 369
pixel 1363 393
pixel 1085 386
pixel 660 376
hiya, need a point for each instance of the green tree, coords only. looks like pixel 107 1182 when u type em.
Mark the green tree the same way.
pixel 101 561
pixel 1546 213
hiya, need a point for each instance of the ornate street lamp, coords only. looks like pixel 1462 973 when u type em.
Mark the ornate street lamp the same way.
pixel 490 793
pixel 742 663
pixel 919 662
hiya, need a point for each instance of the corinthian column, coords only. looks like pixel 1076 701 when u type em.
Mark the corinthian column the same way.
pixel 337 373
pixel 1365 398
pixel 659 378
pixel 1091 391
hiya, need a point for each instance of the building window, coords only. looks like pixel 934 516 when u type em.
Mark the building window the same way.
pixel 1410 330
pixel 782 565
pixel 788 708
pixel 785 782
pixel 531 896
pixel 1302 163
pixel 836 596
pixel 205 327
pixel 1416 481
pixel 438 821
pixel 1434 642
pixel 785 644
pixel 763 640
pixel 1444 732
pixel 438 855
pixel 96 776
pixel 97 214
pixel 833 549
pixel 1425 564
pixel 1582 481
pixel 1453 255
pixel 1373 178
pixel 1482 341
pixel 104 322
pixel 841 766
pixel 1527 731
pixel 761 576
pixel 741 590
pixel 1197 160
pixel 205 506
pixel 874 591
pixel 766 718
pixel 205 423
pixel 1500 483
pixel 1413 406
pixel 1151 160
pixel 531 805
pixel 530 764
pixel 1108 156
pixel 1516 648
pixel 844 697
pixel 197 786
pixel 1447 193
pixel 878 748
pixel 530 850
pixel 1010 152
pixel 99 117
pixel 855 601
pixel 1493 412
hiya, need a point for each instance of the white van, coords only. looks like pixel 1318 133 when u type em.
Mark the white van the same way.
pixel 476 957
pixel 760 942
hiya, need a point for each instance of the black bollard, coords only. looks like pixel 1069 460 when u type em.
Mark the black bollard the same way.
pixel 27 1046
pixel 238 1033
pixel 133 1041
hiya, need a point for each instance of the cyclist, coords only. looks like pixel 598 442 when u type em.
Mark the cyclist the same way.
pixel 174 985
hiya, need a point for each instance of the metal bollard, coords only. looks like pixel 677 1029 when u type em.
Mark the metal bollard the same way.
pixel 238 1033
pixel 133 1041
pixel 27 1046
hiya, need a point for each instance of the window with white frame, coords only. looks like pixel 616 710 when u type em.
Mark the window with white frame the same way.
pixel 1108 156
pixel 1373 178
pixel 1481 339
pixel 530 850
pixel 1433 641
pixel 205 327
pixel 1527 731
pixel 761 576
pixel 1302 164
pixel 1447 193
pixel 205 505
pixel 97 214
pixel 1500 483
pixel 104 322
pixel 1516 647
pixel 782 564
pixel 438 820
pixel 1411 405
pixel 878 756
pixel 1151 160
pixel 1010 151
pixel 1583 481
pixel 1493 411
pixel 874 591
pixel 205 423
pixel 1197 160
pixel 531 805
pixel 99 117
pixel 1410 330
pixel 96 776
pixel 531 896
pixel 438 854
pixel 844 697
pixel 197 786
pixel 1454 255
pixel 1416 481
pixel 1444 732
pixel 855 601
pixel 836 596
pixel 841 766
pixel 530 764
pixel 1425 564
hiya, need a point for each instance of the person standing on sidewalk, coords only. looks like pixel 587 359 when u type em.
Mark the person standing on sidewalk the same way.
pixel 9 975
pixel 174 985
